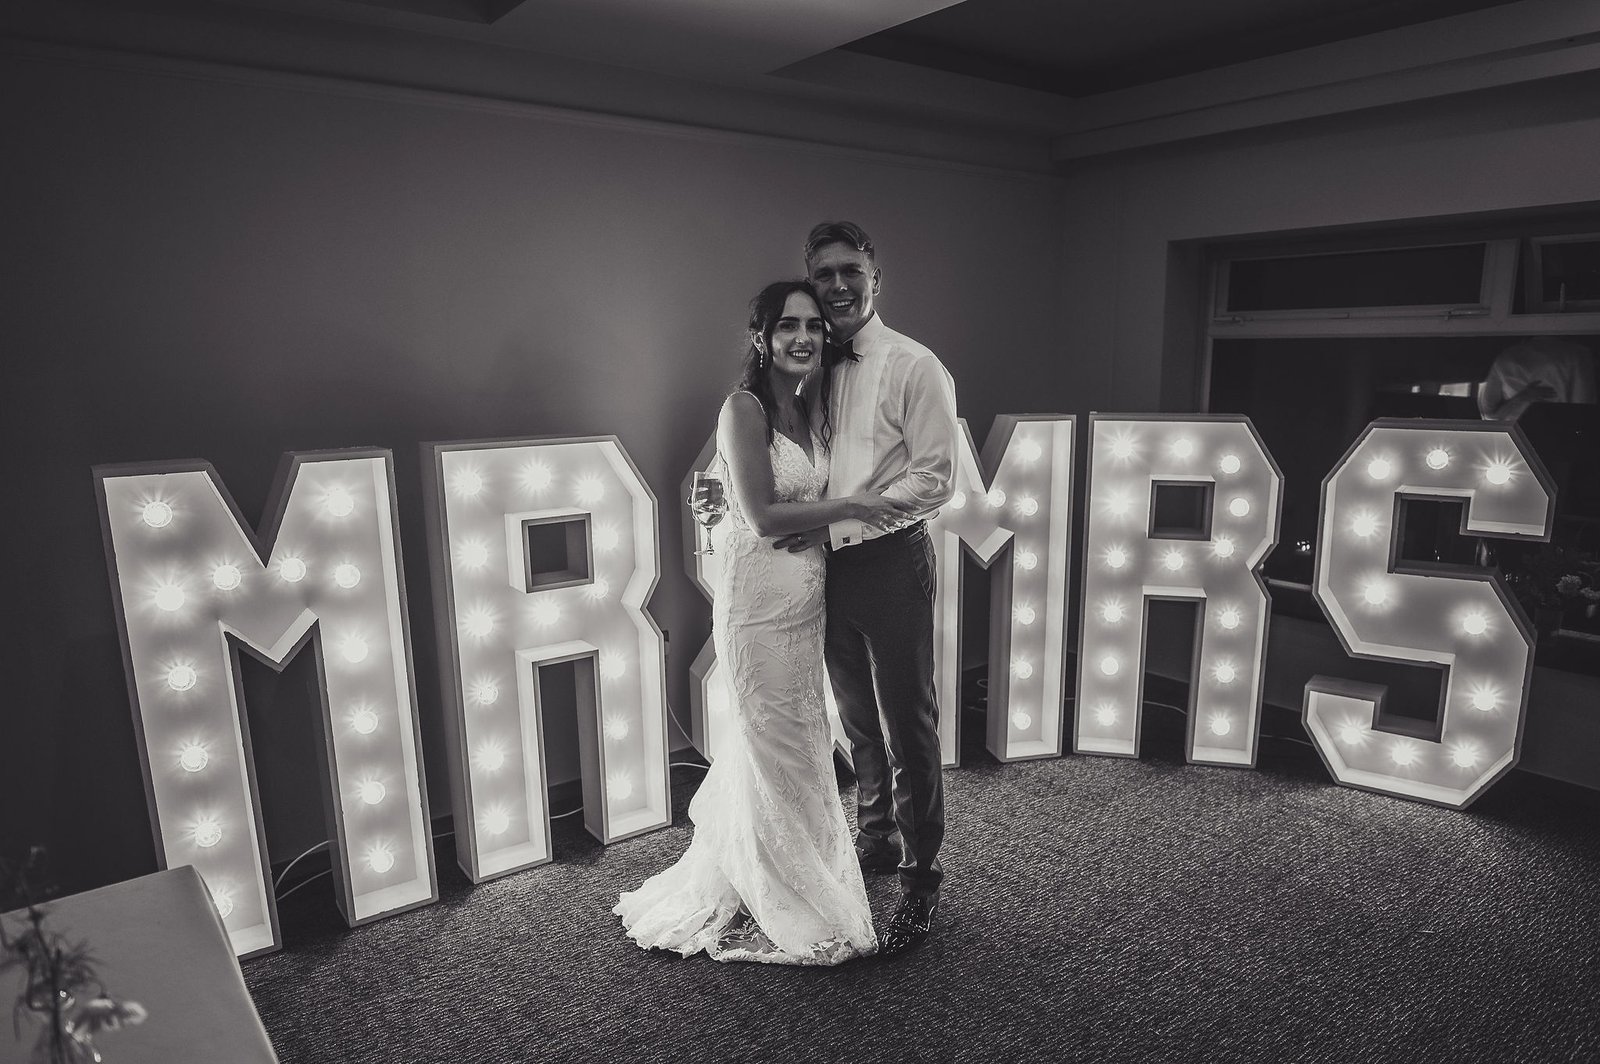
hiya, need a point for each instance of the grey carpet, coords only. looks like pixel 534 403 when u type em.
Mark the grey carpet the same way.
pixel 1096 909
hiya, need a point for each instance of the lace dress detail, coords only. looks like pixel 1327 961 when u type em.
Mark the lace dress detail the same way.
pixel 770 833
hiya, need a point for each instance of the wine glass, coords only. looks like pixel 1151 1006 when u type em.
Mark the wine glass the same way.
pixel 708 504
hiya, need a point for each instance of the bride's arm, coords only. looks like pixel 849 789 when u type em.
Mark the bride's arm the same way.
pixel 742 439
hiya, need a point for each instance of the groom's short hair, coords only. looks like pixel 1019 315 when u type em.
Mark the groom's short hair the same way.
pixel 850 233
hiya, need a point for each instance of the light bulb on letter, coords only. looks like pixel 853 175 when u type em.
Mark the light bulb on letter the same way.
pixel 1221 725
pixel 1239 506
pixel 1021 721
pixel 226 577
pixel 1375 592
pixel 1025 614
pixel 1403 753
pixel 1116 557
pixel 619 786
pixel 1230 617
pixel 612 665
pixel 1022 667
pixel 996 498
pixel 371 791
pixel 1112 612
pixel 192 757
pixel 1110 665
pixel 380 857
pixel 544 611
pixel 599 589
pixel 535 477
pixel 1225 672
pixel 606 537
pixel 207 832
pixel 958 501
pixel 1379 469
pixel 473 553
pixel 1173 560
pixel 468 483
pixel 181 677
pixel 1027 559
pixel 496 820
pixel 364 720
pixel 338 502
pixel 292 570
pixel 1223 547
pixel 616 727
pixel 484 691
pixel 1027 506
pixel 1485 699
pixel 478 622
pixel 157 514
pixel 1029 450
pixel 491 756
pixel 1474 623
pixel 346 575
pixel 1499 472
pixel 169 597
pixel 590 490
pixel 1229 464
pixel 1183 448
pixel 1438 458
pixel 1364 524
pixel 1105 714
pixel 1122 447
pixel 354 649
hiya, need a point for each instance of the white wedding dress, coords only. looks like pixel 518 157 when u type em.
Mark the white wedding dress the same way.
pixel 769 830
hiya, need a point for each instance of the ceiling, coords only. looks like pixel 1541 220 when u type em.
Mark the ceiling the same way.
pixel 1069 48
pixel 1030 84
pixel 1079 48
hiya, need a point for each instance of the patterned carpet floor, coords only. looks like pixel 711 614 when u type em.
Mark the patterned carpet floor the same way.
pixel 1096 909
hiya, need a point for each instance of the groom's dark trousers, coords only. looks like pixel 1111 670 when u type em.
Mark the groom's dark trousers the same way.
pixel 880 659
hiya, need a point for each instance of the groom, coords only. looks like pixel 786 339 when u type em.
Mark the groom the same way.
pixel 893 409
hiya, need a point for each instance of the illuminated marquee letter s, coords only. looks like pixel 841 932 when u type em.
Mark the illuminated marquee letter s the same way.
pixel 1387 609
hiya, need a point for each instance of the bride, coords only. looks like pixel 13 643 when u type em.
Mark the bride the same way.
pixel 771 874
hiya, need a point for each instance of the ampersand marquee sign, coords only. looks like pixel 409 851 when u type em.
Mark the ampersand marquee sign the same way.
pixel 545 552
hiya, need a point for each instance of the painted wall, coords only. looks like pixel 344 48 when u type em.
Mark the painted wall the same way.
pixel 229 270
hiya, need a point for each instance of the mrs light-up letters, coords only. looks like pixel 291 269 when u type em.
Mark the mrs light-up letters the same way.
pixel 1459 619
pixel 545 551
pixel 1182 508
pixel 1017 510
pixel 194 585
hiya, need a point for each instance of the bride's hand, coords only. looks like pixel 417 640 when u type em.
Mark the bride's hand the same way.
pixel 882 512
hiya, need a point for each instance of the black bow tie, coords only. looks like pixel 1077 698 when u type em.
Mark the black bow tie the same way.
pixel 847 350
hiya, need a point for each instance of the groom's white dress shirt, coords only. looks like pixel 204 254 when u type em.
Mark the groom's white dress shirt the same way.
pixel 894 427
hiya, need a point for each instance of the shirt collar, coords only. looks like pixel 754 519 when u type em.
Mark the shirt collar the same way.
pixel 872 330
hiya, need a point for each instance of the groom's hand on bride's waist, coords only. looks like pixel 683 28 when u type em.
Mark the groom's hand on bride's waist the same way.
pixel 799 541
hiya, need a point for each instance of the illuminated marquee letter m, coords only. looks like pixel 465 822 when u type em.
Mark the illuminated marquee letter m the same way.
pixel 194 585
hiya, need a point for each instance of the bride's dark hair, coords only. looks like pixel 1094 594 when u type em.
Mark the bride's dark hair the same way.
pixel 765 310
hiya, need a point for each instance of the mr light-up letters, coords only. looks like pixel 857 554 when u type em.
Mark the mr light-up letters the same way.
pixel 1460 619
pixel 194 585
pixel 545 552
pixel 1183 508
pixel 1017 509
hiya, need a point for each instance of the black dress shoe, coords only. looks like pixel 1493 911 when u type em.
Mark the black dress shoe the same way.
pixel 910 925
